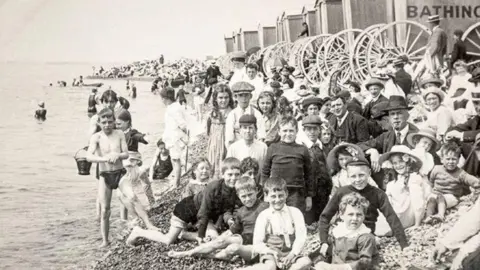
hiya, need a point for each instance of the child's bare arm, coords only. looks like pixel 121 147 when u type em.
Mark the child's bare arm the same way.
pixel 471 181
pixel 154 161
pixel 124 147
pixel 92 147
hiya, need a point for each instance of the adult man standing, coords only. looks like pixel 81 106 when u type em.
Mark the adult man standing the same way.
pixel 213 72
pixel 436 46
pixel 348 126
pixel 248 146
pixel 397 109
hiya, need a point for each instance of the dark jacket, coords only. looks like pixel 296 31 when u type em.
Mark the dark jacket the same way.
pixel 212 72
pixel 355 106
pixel 404 80
pixel 470 129
pixel 133 137
pixel 356 128
pixel 386 140
pixel 459 52
pixel 367 111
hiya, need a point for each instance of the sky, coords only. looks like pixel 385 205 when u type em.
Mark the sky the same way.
pixel 128 30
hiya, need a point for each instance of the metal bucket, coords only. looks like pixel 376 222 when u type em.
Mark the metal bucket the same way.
pixel 83 165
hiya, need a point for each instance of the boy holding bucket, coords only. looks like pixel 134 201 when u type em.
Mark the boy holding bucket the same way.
pixel 107 148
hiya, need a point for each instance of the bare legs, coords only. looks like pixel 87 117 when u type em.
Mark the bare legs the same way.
pixel 104 199
pixel 177 168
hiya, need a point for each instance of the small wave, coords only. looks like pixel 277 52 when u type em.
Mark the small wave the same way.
pixel 23 189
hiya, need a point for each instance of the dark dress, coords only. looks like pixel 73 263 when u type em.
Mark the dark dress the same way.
pixel 133 137
pixel 41 114
pixel 162 168
pixel 92 105
pixel 404 80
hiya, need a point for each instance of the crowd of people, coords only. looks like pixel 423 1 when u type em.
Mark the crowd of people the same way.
pixel 376 158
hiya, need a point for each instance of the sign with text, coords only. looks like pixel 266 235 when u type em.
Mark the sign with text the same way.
pixel 445 11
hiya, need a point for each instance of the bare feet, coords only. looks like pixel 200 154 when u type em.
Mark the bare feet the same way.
pixel 104 244
pixel 132 238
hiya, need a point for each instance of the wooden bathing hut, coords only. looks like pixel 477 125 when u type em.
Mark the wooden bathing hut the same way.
pixel 239 40
pixel 330 14
pixel 309 16
pixel 267 35
pixel 361 14
pixel 249 39
pixel 280 30
pixel 229 44
pixel 292 24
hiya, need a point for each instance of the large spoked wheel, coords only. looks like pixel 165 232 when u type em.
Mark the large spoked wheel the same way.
pixel 283 51
pixel 269 58
pixel 396 39
pixel 295 52
pixel 358 59
pixel 225 63
pixel 309 55
pixel 337 53
pixel 471 37
pixel 255 56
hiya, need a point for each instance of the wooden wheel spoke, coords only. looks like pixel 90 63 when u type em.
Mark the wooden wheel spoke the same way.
pixel 418 51
pixel 473 43
pixel 473 53
pixel 407 37
pixel 413 43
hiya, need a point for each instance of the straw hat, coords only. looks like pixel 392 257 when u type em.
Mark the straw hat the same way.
pixel 424 132
pixel 433 90
pixel 439 82
pixel 401 149
pixel 374 81
pixel 354 150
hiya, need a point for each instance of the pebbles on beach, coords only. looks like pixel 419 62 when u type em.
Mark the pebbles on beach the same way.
pixel 151 255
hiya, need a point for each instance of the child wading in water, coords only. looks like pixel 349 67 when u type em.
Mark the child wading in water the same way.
pixel 238 239
pixel 162 165
pixel 108 148
pixel 217 199
pixel 41 112
pixel 222 106
pixel 354 245
pixel 280 232
pixel 201 172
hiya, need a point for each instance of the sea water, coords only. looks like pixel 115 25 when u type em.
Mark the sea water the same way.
pixel 47 210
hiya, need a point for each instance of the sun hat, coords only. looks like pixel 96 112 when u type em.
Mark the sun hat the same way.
pixel 354 150
pixel 397 103
pixel 424 132
pixel 433 90
pixel 439 82
pixel 239 56
pixel 374 81
pixel 401 149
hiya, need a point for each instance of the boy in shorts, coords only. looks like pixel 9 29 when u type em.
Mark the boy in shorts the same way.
pixel 280 232
pixel 107 148
pixel 237 240
pixel 217 199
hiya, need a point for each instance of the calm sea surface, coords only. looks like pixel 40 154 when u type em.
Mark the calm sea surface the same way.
pixel 47 210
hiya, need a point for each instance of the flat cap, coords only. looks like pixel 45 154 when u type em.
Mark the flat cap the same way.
pixel 360 161
pixel 275 84
pixel 312 100
pixel 242 86
pixel 247 119
pixel 374 81
pixel 312 120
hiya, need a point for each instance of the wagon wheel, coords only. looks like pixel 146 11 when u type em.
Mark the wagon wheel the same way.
pixel 358 59
pixel 268 58
pixel 225 64
pixel 471 37
pixel 283 50
pixel 294 57
pixel 337 53
pixel 310 54
pixel 396 39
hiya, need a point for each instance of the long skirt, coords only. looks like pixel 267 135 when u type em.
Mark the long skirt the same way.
pixel 216 147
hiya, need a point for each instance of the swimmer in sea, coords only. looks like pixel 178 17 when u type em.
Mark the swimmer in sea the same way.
pixel 92 103
pixel 41 112
pixel 107 148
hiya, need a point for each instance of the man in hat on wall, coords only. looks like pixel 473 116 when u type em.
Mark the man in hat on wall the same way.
pixel 402 78
pixel 436 46
pixel 239 72
pixel 397 109
pixel 243 94
pixel 375 87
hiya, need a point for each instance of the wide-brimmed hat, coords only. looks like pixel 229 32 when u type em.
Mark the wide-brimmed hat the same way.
pixel 406 152
pixel 459 92
pixel 312 100
pixel 424 132
pixel 374 81
pixel 354 150
pixel 397 103
pixel 239 56
pixel 475 75
pixel 434 18
pixel 439 82
pixel 433 90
